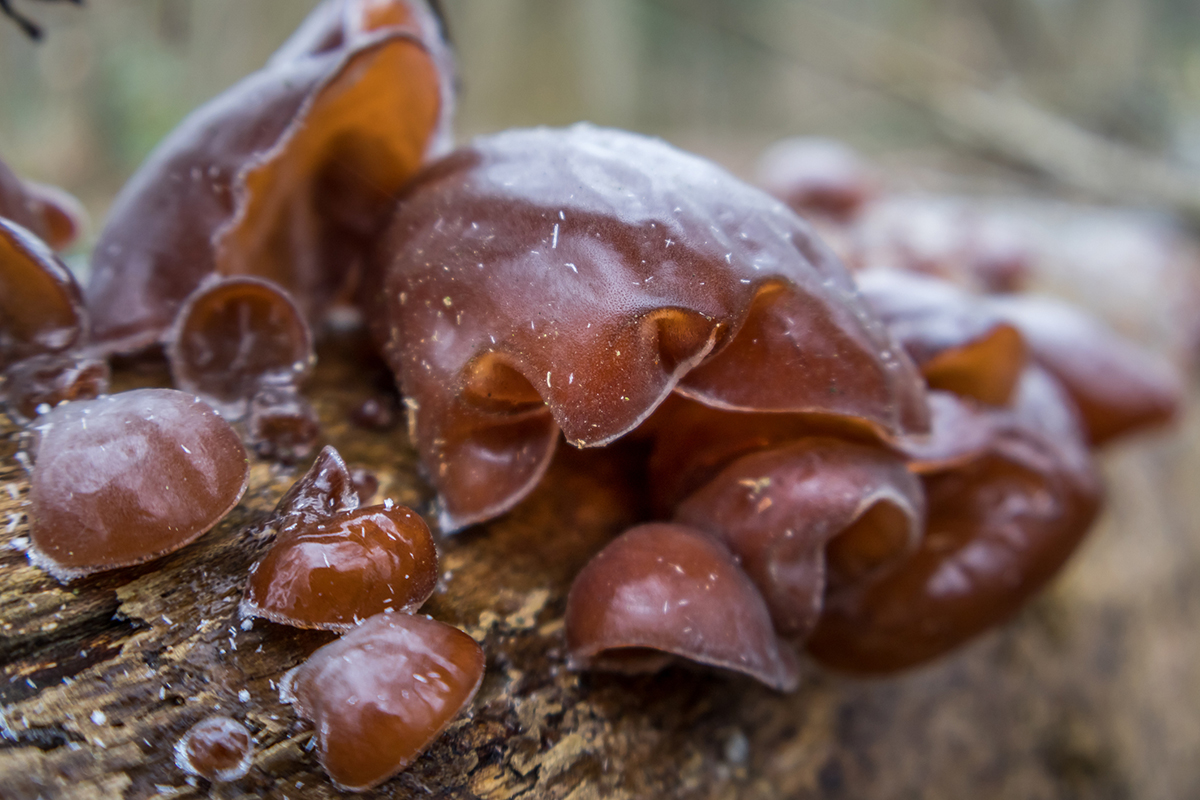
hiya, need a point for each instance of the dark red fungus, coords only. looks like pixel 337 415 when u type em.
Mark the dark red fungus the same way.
pixel 814 514
pixel 286 175
pixel 127 478
pixel 571 279
pixel 817 176
pixel 662 590
pixel 217 748
pixel 382 693
pixel 1000 526
pixel 326 489
pixel 232 336
pixel 49 213
pixel 334 572
pixel 282 425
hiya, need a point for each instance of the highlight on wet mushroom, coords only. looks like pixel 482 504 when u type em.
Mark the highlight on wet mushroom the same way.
pixel 217 748
pixel 127 478
pixel 381 694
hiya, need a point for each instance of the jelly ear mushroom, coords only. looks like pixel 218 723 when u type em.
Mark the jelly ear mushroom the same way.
pixel 817 176
pixel 1000 526
pixel 47 212
pixel 572 279
pixel 333 572
pixel 130 477
pixel 382 693
pixel 217 748
pixel 327 488
pixel 958 344
pixel 664 590
pixel 813 515
pixel 286 175
pixel 1118 386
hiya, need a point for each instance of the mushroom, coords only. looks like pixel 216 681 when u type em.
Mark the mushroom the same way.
pixel 817 176
pixel 662 590
pixel 382 693
pixel 128 478
pixel 544 280
pixel 218 748
pixel 47 212
pixel 326 489
pixel 285 176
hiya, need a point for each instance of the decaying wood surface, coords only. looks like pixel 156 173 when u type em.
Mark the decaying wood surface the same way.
pixel 1093 692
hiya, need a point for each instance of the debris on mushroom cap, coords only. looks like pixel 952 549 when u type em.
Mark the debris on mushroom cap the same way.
pixel 545 279
pixel 286 175
pixel 664 589
pixel 382 693
pixel 814 175
pixel 217 748
pixel 814 512
pixel 47 212
pixel 999 527
pixel 232 335
pixel 958 343
pixel 129 477
pixel 333 572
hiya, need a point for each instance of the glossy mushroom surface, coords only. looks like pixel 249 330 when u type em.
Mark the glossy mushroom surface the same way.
pixel 382 693
pixel 217 748
pixel 338 570
pixel 662 590
pixel 810 514
pixel 129 477
pixel 285 175
pixel 571 279
pixel 327 488
pixel 48 213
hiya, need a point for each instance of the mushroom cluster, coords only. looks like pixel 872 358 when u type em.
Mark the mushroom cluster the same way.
pixel 871 468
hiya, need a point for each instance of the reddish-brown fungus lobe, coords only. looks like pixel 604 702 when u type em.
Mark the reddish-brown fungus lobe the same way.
pixel 382 693
pixel 129 477
pixel 326 489
pixel 217 748
pixel 571 279
pixel 338 570
pixel 49 213
pixel 817 176
pixel 286 175
pixel 662 590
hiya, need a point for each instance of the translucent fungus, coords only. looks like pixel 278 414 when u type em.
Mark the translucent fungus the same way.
pixel 217 748
pixel 663 590
pixel 48 213
pixel 326 489
pixel 129 477
pixel 382 693
pixel 343 568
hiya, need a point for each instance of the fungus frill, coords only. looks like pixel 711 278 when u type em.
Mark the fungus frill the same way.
pixel 661 590
pixel 382 693
pixel 129 477
pixel 284 176
pixel 545 280
pixel 217 748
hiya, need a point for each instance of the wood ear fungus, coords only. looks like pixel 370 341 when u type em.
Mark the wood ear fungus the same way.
pixel 662 590
pixel 382 693
pixel 130 477
pixel 817 176
pixel 217 748
pixel 286 175
pixel 48 213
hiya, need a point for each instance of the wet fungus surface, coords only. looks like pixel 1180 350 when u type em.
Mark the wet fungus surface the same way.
pixel 217 748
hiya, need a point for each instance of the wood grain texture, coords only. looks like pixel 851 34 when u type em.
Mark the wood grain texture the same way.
pixel 1094 691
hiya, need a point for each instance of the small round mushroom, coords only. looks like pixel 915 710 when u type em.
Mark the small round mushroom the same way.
pixel 662 590
pixel 333 572
pixel 217 748
pixel 382 693
pixel 129 477
pixel 818 176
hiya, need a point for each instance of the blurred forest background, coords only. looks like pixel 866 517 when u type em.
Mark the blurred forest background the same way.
pixel 915 82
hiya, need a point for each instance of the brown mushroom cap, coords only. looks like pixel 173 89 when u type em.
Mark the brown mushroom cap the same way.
pixel 818 176
pixel 382 693
pixel 545 279
pixel 129 477
pixel 816 506
pixel 958 344
pixel 661 590
pixel 285 175
pixel 1000 526
pixel 234 334
pixel 333 572
pixel 217 748
pixel 47 212
pixel 326 489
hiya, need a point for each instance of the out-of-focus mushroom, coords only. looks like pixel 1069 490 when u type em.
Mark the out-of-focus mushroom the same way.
pixel 217 748
pixel 382 693
pixel 47 212
pixel 129 477
pixel 817 176
pixel 333 572
pixel 571 279
pixel 815 513
pixel 286 175
pixel 664 590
